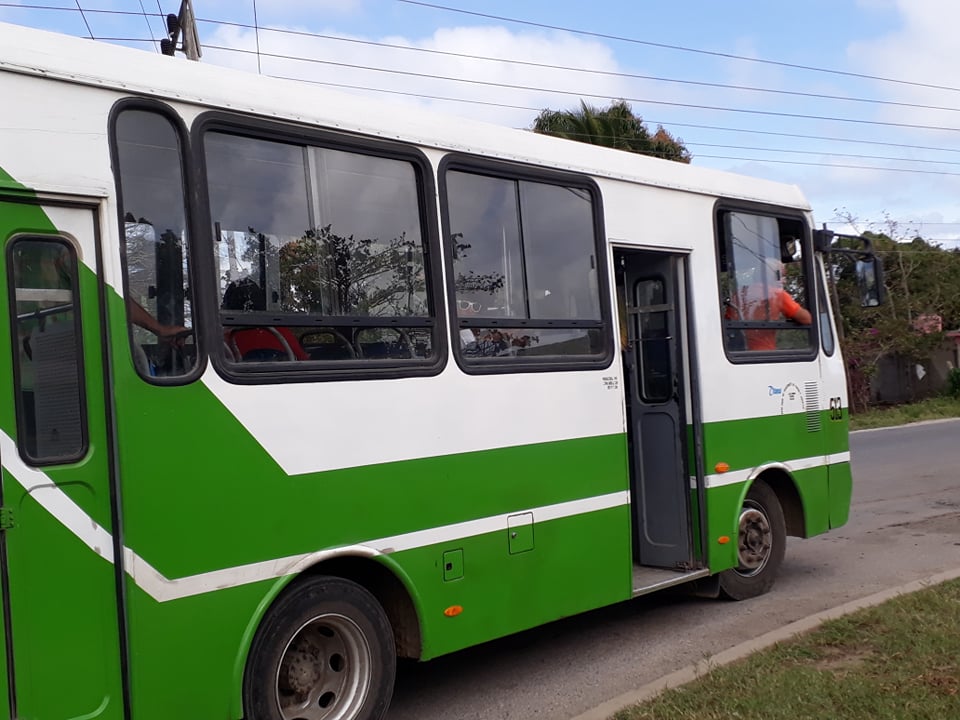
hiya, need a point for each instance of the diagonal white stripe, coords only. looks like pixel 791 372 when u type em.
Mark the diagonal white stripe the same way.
pixel 42 489
pixel 163 589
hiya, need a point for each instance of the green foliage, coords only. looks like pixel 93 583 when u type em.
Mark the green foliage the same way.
pixel 953 383
pixel 615 127
pixel 328 273
pixel 897 660
pixel 935 408
pixel 921 280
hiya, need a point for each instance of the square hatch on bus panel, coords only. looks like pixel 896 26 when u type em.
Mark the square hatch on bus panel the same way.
pixel 520 533
pixel 452 565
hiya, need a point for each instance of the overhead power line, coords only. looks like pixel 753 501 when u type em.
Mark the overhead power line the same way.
pixel 84 19
pixel 579 70
pixel 663 123
pixel 719 157
pixel 833 165
pixel 146 19
pixel 680 48
pixel 527 63
pixel 483 58
pixel 532 88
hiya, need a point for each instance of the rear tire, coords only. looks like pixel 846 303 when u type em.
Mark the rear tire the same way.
pixel 761 544
pixel 324 651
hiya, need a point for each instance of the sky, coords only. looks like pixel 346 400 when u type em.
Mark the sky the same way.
pixel 855 101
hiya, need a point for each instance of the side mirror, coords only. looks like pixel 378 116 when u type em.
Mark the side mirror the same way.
pixel 870 279
pixel 869 268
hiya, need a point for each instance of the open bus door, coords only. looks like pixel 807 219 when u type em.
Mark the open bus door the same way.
pixel 61 642
pixel 648 286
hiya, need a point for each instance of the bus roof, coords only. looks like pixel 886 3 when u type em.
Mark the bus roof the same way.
pixel 78 60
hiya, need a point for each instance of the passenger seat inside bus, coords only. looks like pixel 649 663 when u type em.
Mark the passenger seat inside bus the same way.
pixel 258 343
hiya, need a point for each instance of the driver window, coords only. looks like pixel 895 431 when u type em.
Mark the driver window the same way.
pixel 764 285
pixel 156 264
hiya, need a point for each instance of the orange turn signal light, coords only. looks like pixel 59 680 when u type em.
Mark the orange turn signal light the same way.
pixel 453 611
pixel 721 467
pixel 723 539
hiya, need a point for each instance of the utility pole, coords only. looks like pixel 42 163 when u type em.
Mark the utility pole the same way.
pixel 182 27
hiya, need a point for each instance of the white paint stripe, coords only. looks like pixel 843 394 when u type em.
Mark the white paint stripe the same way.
pixel 163 589
pixel 56 502
pixel 493 523
pixel 740 476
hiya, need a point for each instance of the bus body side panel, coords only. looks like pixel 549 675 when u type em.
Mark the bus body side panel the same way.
pixel 214 521
pixel 62 614
pixel 746 445
pixel 836 426
pixel 765 416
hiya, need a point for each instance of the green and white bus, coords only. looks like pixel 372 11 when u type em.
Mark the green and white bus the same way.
pixel 295 383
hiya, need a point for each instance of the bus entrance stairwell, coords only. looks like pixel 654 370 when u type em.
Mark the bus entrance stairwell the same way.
pixel 649 298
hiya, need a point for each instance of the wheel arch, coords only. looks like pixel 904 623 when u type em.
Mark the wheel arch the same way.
pixel 374 571
pixel 779 479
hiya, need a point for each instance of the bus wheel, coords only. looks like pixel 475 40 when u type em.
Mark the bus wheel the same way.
pixel 324 651
pixel 761 542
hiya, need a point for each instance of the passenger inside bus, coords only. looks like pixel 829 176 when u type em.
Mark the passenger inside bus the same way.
pixel 141 318
pixel 765 300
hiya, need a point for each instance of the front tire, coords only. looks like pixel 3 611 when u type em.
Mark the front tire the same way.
pixel 324 651
pixel 761 544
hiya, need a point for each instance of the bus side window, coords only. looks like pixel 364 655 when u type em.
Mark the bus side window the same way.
pixel 524 270
pixel 321 255
pixel 764 285
pixel 46 333
pixel 156 251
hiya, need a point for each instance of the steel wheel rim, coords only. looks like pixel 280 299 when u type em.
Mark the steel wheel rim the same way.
pixel 754 539
pixel 324 671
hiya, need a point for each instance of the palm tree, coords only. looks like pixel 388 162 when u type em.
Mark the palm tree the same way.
pixel 615 127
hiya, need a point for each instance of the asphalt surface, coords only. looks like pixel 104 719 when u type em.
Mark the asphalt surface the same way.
pixel 904 527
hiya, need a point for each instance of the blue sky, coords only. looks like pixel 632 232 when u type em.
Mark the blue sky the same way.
pixel 871 166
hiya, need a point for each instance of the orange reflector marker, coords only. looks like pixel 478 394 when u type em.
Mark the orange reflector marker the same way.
pixel 723 539
pixel 453 611
pixel 721 467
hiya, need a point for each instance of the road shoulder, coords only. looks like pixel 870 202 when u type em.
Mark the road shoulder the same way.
pixel 692 672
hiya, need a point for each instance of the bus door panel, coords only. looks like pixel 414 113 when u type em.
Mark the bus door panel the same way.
pixel 648 289
pixel 61 655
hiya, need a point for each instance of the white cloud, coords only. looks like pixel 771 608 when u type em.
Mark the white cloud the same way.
pixel 422 73
pixel 283 8
pixel 922 50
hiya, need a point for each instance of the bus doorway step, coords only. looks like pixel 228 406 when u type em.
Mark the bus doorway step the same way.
pixel 650 579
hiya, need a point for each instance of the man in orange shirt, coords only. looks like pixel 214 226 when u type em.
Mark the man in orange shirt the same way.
pixel 779 303
pixel 765 303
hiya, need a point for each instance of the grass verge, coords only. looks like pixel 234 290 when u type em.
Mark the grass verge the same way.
pixel 899 660
pixel 930 409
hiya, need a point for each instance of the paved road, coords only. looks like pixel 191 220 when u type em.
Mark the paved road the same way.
pixel 904 526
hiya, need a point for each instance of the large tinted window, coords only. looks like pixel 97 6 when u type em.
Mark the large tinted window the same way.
pixel 320 253
pixel 47 350
pixel 764 285
pixel 159 291
pixel 524 269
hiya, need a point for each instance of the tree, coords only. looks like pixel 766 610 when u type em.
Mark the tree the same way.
pixel 920 279
pixel 326 273
pixel 615 127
